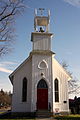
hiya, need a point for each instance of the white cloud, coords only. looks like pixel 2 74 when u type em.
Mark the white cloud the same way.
pixel 6 65
pixel 5 70
pixel 6 86
pixel 73 2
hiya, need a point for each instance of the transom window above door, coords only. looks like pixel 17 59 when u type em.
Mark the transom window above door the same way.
pixel 42 84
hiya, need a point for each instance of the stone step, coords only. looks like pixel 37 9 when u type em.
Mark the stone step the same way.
pixel 43 113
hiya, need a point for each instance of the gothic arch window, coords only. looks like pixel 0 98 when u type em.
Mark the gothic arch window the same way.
pixel 24 90
pixel 42 84
pixel 56 90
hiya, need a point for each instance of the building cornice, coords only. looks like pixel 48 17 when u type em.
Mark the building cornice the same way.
pixel 42 52
pixel 40 33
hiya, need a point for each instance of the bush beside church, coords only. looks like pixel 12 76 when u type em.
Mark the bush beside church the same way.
pixel 74 105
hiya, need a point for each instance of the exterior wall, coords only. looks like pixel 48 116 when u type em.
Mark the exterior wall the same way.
pixel 62 77
pixel 41 42
pixel 36 77
pixel 32 72
pixel 17 104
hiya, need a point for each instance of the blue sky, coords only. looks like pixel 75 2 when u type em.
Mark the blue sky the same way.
pixel 65 25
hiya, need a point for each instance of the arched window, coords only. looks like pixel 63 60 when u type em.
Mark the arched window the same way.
pixel 56 90
pixel 24 90
pixel 42 84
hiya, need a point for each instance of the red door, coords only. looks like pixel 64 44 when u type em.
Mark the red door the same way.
pixel 42 98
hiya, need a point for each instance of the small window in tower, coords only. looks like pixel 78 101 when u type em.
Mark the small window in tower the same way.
pixel 56 88
pixel 24 90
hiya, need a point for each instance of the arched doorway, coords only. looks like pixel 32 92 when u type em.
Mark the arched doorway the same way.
pixel 42 95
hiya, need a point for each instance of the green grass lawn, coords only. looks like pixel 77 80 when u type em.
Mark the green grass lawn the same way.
pixel 17 119
pixel 68 117
pixel 61 117
pixel 2 112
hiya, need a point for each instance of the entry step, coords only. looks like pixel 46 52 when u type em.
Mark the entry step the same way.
pixel 43 113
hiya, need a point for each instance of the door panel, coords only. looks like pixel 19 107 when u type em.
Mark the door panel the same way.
pixel 42 99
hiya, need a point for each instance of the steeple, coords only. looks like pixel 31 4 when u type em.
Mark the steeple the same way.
pixel 41 20
pixel 41 37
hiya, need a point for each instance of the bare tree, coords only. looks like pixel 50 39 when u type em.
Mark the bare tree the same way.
pixel 5 98
pixel 73 83
pixel 9 9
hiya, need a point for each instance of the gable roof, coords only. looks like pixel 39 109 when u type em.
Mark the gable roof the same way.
pixel 64 70
pixel 44 52
pixel 11 76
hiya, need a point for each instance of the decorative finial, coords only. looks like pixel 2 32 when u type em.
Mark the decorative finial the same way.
pixel 41 10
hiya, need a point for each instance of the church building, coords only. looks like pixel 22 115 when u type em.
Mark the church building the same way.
pixel 40 82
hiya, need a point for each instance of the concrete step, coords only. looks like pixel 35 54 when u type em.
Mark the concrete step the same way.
pixel 43 113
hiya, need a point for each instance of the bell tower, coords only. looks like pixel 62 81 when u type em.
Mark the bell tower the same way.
pixel 41 61
pixel 41 37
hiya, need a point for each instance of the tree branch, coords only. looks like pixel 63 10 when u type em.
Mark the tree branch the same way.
pixel 8 11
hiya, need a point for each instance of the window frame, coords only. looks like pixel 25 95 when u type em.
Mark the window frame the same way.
pixel 56 90
pixel 24 89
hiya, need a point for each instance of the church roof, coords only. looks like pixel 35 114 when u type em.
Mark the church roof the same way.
pixel 33 52
pixel 12 74
pixel 64 70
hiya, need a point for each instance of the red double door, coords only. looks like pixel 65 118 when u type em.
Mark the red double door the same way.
pixel 42 98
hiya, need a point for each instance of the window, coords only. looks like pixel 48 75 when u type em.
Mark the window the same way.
pixel 56 88
pixel 24 90
pixel 42 84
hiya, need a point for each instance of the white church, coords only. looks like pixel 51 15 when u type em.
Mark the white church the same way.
pixel 40 82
